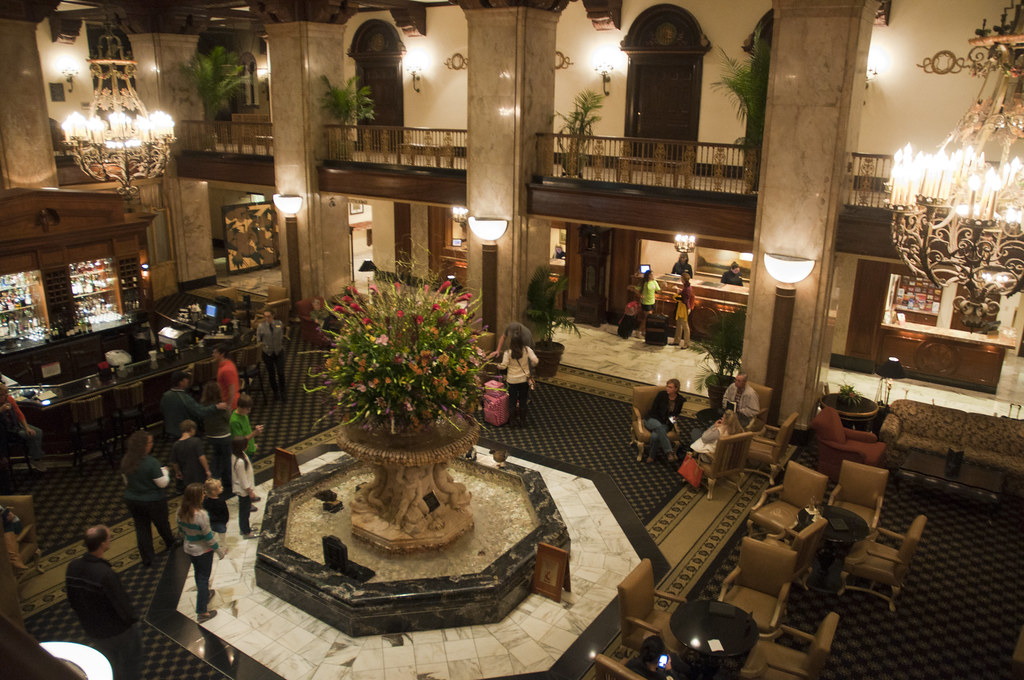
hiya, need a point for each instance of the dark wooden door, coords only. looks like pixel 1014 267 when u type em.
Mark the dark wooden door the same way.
pixel 664 97
pixel 385 83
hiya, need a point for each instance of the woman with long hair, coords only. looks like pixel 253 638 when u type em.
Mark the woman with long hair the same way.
pixel 704 447
pixel 519 359
pixel 145 481
pixel 200 544
pixel 218 433
pixel 647 290
pixel 243 485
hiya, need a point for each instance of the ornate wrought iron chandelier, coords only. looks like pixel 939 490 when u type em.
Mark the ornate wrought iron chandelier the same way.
pixel 120 148
pixel 957 219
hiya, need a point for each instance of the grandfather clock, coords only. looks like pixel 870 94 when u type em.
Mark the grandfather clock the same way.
pixel 592 304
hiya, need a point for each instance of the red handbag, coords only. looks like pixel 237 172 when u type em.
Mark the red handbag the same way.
pixel 691 472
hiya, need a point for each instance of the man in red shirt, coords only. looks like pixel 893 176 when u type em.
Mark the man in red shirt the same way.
pixel 227 376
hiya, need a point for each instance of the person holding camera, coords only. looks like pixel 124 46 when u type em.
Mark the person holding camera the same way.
pixel 657 663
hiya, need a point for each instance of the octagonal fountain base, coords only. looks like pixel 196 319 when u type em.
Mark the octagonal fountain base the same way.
pixel 476 580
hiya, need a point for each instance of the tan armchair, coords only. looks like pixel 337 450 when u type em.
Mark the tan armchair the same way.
pixel 278 301
pixel 609 669
pixel 805 544
pixel 764 400
pixel 25 544
pixel 861 489
pixel 729 460
pixel 879 563
pixel 760 583
pixel 638 615
pixel 773 661
pixel 769 446
pixel 643 399
pixel 801 486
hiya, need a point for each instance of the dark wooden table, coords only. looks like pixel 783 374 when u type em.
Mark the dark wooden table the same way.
pixel 859 415
pixel 698 623
pixel 973 481
pixel 844 528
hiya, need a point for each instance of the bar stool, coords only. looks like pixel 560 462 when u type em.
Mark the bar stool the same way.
pixel 86 423
pixel 203 372
pixel 248 362
pixel 128 407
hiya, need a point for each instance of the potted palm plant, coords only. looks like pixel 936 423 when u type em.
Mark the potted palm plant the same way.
pixel 578 125
pixel 348 105
pixel 723 352
pixel 216 76
pixel 746 83
pixel 542 309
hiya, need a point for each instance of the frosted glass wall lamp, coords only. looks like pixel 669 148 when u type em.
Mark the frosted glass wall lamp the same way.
pixel 488 228
pixel 786 268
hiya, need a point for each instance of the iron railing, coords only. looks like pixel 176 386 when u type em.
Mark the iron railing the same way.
pixel 866 178
pixel 727 168
pixel 255 139
pixel 415 147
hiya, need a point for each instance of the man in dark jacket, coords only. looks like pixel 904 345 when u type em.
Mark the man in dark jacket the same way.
pixel 103 607
pixel 177 405
pixel 661 418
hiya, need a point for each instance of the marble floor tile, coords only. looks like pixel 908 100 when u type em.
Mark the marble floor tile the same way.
pixel 428 653
pixel 488 646
pixel 294 667
pixel 464 669
pixel 456 650
pixel 397 657
pixel 434 671
pixel 369 659
pixel 495 666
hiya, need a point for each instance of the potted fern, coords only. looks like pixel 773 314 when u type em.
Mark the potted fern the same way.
pixel 723 352
pixel 349 105
pixel 216 77
pixel 542 309
pixel 578 125
pixel 746 83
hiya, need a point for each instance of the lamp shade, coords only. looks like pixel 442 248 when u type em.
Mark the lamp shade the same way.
pixel 891 369
pixel 367 266
pixel 289 204
pixel 786 268
pixel 92 663
pixel 488 228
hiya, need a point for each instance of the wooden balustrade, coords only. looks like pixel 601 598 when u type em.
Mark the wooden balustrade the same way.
pixel 415 147
pixel 248 138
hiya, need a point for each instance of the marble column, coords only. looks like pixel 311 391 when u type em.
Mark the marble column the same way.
pixel 511 97
pixel 419 217
pixel 819 56
pixel 26 150
pixel 300 53
pixel 193 241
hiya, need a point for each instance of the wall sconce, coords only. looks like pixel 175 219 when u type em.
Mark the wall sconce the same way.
pixel 262 73
pixel 604 61
pixel 69 69
pixel 878 63
pixel 85 659
pixel 415 65
pixel 459 214
pixel 604 70
pixel 685 243
pixel 289 204
pixel 786 268
pixel 488 228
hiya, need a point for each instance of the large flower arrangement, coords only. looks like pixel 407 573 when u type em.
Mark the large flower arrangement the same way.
pixel 405 356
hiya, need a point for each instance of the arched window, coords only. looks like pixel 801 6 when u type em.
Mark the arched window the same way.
pixel 378 51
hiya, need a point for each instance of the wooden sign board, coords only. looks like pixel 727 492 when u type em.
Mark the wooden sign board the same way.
pixel 286 467
pixel 551 572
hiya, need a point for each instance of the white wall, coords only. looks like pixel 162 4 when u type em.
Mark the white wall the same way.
pixel 51 55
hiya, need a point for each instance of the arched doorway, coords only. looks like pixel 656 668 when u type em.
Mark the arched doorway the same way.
pixel 666 49
pixel 378 52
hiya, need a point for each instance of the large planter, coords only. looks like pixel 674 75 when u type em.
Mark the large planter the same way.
pixel 550 358
pixel 716 393
pixel 412 504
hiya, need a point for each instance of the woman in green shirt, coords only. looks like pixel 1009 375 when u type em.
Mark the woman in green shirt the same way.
pixel 144 482
pixel 647 290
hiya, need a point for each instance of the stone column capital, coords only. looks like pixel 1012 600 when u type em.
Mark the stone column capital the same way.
pixel 555 6
pixel 317 11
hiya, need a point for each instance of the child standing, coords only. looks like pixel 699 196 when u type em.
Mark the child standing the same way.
pixel 189 461
pixel 216 507
pixel 240 426
pixel 243 485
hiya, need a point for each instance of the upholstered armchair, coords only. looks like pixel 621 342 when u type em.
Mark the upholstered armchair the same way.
pixel 606 668
pixel 760 583
pixel 764 400
pixel 773 661
pixel 643 399
pixel 25 543
pixel 278 302
pixel 801 486
pixel 310 329
pixel 861 489
pixel 837 443
pixel 805 544
pixel 883 564
pixel 729 461
pixel 638 615
pixel 769 446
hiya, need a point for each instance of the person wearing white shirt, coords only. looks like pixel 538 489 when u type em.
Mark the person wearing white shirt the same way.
pixel 519 359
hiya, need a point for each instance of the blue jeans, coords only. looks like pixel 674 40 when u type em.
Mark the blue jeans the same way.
pixel 34 443
pixel 124 652
pixel 203 565
pixel 659 437
pixel 244 507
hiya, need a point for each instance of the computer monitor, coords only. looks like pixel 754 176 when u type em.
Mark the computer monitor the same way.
pixel 644 268
pixel 211 310
pixel 456 243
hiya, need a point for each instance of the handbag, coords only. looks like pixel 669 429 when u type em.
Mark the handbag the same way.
pixel 691 472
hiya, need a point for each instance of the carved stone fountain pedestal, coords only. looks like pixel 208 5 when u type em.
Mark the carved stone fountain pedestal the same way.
pixel 412 504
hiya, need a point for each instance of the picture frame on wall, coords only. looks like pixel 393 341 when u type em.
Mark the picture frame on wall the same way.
pixel 56 92
pixel 356 208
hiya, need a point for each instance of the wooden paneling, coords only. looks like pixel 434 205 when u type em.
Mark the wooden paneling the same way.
pixel 944 360
pixel 625 249
pixel 249 170
pixel 865 231
pixel 18 262
pixel 435 187
pixel 867 308
pixel 403 233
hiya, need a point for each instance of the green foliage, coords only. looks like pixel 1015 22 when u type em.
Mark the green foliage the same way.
pixel 542 306
pixel 848 395
pixel 579 124
pixel 405 356
pixel 349 104
pixel 216 76
pixel 723 349
pixel 746 82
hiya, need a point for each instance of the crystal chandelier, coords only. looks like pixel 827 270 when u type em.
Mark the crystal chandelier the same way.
pixel 685 243
pixel 129 144
pixel 957 219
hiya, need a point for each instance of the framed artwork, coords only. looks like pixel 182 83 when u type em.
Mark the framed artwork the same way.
pixel 56 92
pixel 286 467
pixel 356 208
pixel 715 262
pixel 250 236
pixel 551 572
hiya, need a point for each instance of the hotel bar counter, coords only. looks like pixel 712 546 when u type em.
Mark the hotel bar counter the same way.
pixel 946 356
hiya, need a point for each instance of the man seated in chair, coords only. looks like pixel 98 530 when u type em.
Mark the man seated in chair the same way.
pixel 746 401
pixel 657 663
pixel 660 419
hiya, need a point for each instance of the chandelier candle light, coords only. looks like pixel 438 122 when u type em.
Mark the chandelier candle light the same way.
pixel 130 144
pixel 957 219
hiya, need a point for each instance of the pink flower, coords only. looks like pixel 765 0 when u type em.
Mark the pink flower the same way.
pixel 337 308
pixel 445 286
pixel 374 288
pixel 366 321
pixel 400 313
pixel 435 307
pixel 464 296
pixel 381 339
pixel 419 319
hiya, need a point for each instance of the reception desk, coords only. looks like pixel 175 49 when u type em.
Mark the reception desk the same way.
pixel 711 299
pixel 946 356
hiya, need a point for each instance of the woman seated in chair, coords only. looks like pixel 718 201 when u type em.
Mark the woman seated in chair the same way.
pixel 323 316
pixel 660 419
pixel 704 446
pixel 12 527
pixel 657 663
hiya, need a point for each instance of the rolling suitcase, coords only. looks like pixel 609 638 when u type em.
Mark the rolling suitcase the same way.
pixel 495 403
pixel 657 330
pixel 627 324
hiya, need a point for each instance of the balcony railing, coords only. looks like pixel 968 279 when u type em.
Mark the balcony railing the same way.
pixel 255 139
pixel 415 147
pixel 866 177
pixel 725 168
